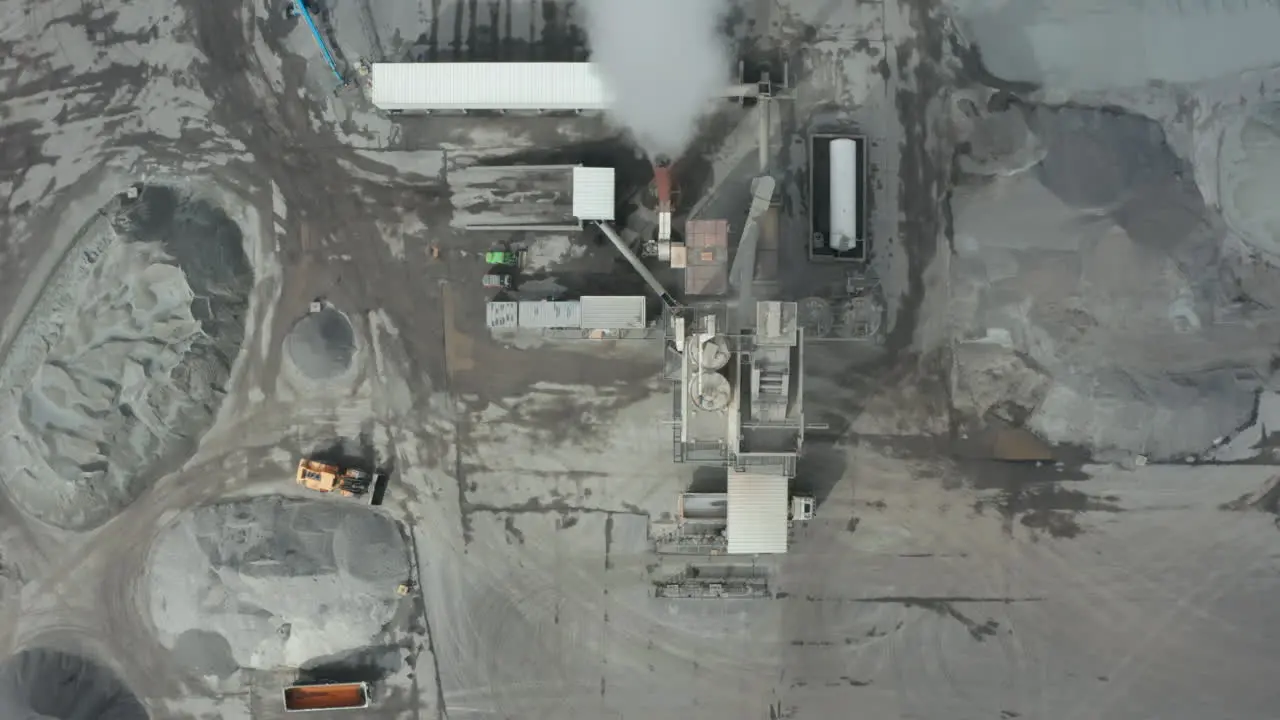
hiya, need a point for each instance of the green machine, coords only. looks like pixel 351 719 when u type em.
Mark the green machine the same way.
pixel 510 258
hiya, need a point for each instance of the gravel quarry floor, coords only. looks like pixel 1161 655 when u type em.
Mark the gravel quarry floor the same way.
pixel 1084 253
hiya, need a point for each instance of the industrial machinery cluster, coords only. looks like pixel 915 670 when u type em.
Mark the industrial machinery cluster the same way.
pixel 734 344
pixel 735 353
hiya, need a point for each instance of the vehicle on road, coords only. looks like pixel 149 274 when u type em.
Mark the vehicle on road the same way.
pixel 329 478
pixel 496 280
pixel 326 696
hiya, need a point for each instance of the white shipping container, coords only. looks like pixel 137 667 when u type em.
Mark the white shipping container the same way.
pixel 593 193
pixel 545 314
pixel 626 312
pixel 757 517
pixel 501 314
pixel 843 194
pixel 488 86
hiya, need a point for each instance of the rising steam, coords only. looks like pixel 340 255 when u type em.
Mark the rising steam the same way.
pixel 664 60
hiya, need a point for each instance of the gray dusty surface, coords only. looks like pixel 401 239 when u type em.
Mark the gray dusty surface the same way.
pixel 1105 278
pixel 322 344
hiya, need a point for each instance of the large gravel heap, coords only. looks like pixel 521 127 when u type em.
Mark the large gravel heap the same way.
pixel 1087 291
pixel 273 582
pixel 39 684
pixel 123 364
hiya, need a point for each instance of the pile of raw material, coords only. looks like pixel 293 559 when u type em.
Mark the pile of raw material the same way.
pixel 123 363
pixel 272 582
pixel 43 683
pixel 1084 294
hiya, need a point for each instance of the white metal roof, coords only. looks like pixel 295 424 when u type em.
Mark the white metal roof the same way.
pixel 488 86
pixel 757 521
pixel 593 190
pixel 550 314
pixel 501 314
pixel 625 312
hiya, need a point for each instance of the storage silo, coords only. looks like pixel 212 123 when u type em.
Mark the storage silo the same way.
pixel 710 391
pixel 843 194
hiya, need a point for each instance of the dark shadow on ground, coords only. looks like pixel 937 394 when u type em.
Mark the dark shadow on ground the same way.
pixel 371 664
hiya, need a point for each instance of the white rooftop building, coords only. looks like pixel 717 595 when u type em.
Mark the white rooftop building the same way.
pixel 509 87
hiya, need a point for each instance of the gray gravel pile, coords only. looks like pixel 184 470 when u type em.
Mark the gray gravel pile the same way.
pixel 1096 275
pixel 321 345
pixel 39 684
pixel 127 369
pixel 272 582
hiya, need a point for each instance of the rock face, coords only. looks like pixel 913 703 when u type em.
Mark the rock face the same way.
pixel 321 345
pixel 1248 175
pixel 37 684
pixel 272 582
pixel 120 377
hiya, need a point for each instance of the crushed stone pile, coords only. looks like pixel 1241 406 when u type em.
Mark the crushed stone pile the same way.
pixel 38 684
pixel 273 582
pixel 124 362
pixel 322 344
pixel 1248 175
pixel 1086 291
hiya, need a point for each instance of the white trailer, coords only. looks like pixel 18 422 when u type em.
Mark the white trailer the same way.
pixel 715 506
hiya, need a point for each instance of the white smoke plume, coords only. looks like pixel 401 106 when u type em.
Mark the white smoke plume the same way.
pixel 664 61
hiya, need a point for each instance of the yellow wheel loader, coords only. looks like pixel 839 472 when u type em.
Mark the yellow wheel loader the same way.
pixel 327 478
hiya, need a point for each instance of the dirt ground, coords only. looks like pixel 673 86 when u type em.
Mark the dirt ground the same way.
pixel 156 557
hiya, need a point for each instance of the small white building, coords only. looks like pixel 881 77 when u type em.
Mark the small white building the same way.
pixel 550 314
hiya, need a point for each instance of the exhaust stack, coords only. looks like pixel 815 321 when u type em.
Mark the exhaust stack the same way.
pixel 662 187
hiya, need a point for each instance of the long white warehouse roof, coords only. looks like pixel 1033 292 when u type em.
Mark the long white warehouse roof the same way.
pixel 757 522
pixel 488 86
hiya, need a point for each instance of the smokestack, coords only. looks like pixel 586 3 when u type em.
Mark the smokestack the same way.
pixel 662 188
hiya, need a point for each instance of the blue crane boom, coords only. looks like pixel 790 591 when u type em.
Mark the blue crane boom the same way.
pixel 300 6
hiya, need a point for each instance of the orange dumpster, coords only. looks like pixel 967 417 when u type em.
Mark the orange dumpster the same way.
pixel 326 696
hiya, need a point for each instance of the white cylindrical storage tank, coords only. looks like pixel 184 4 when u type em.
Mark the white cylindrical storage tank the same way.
pixel 842 195
pixel 710 391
